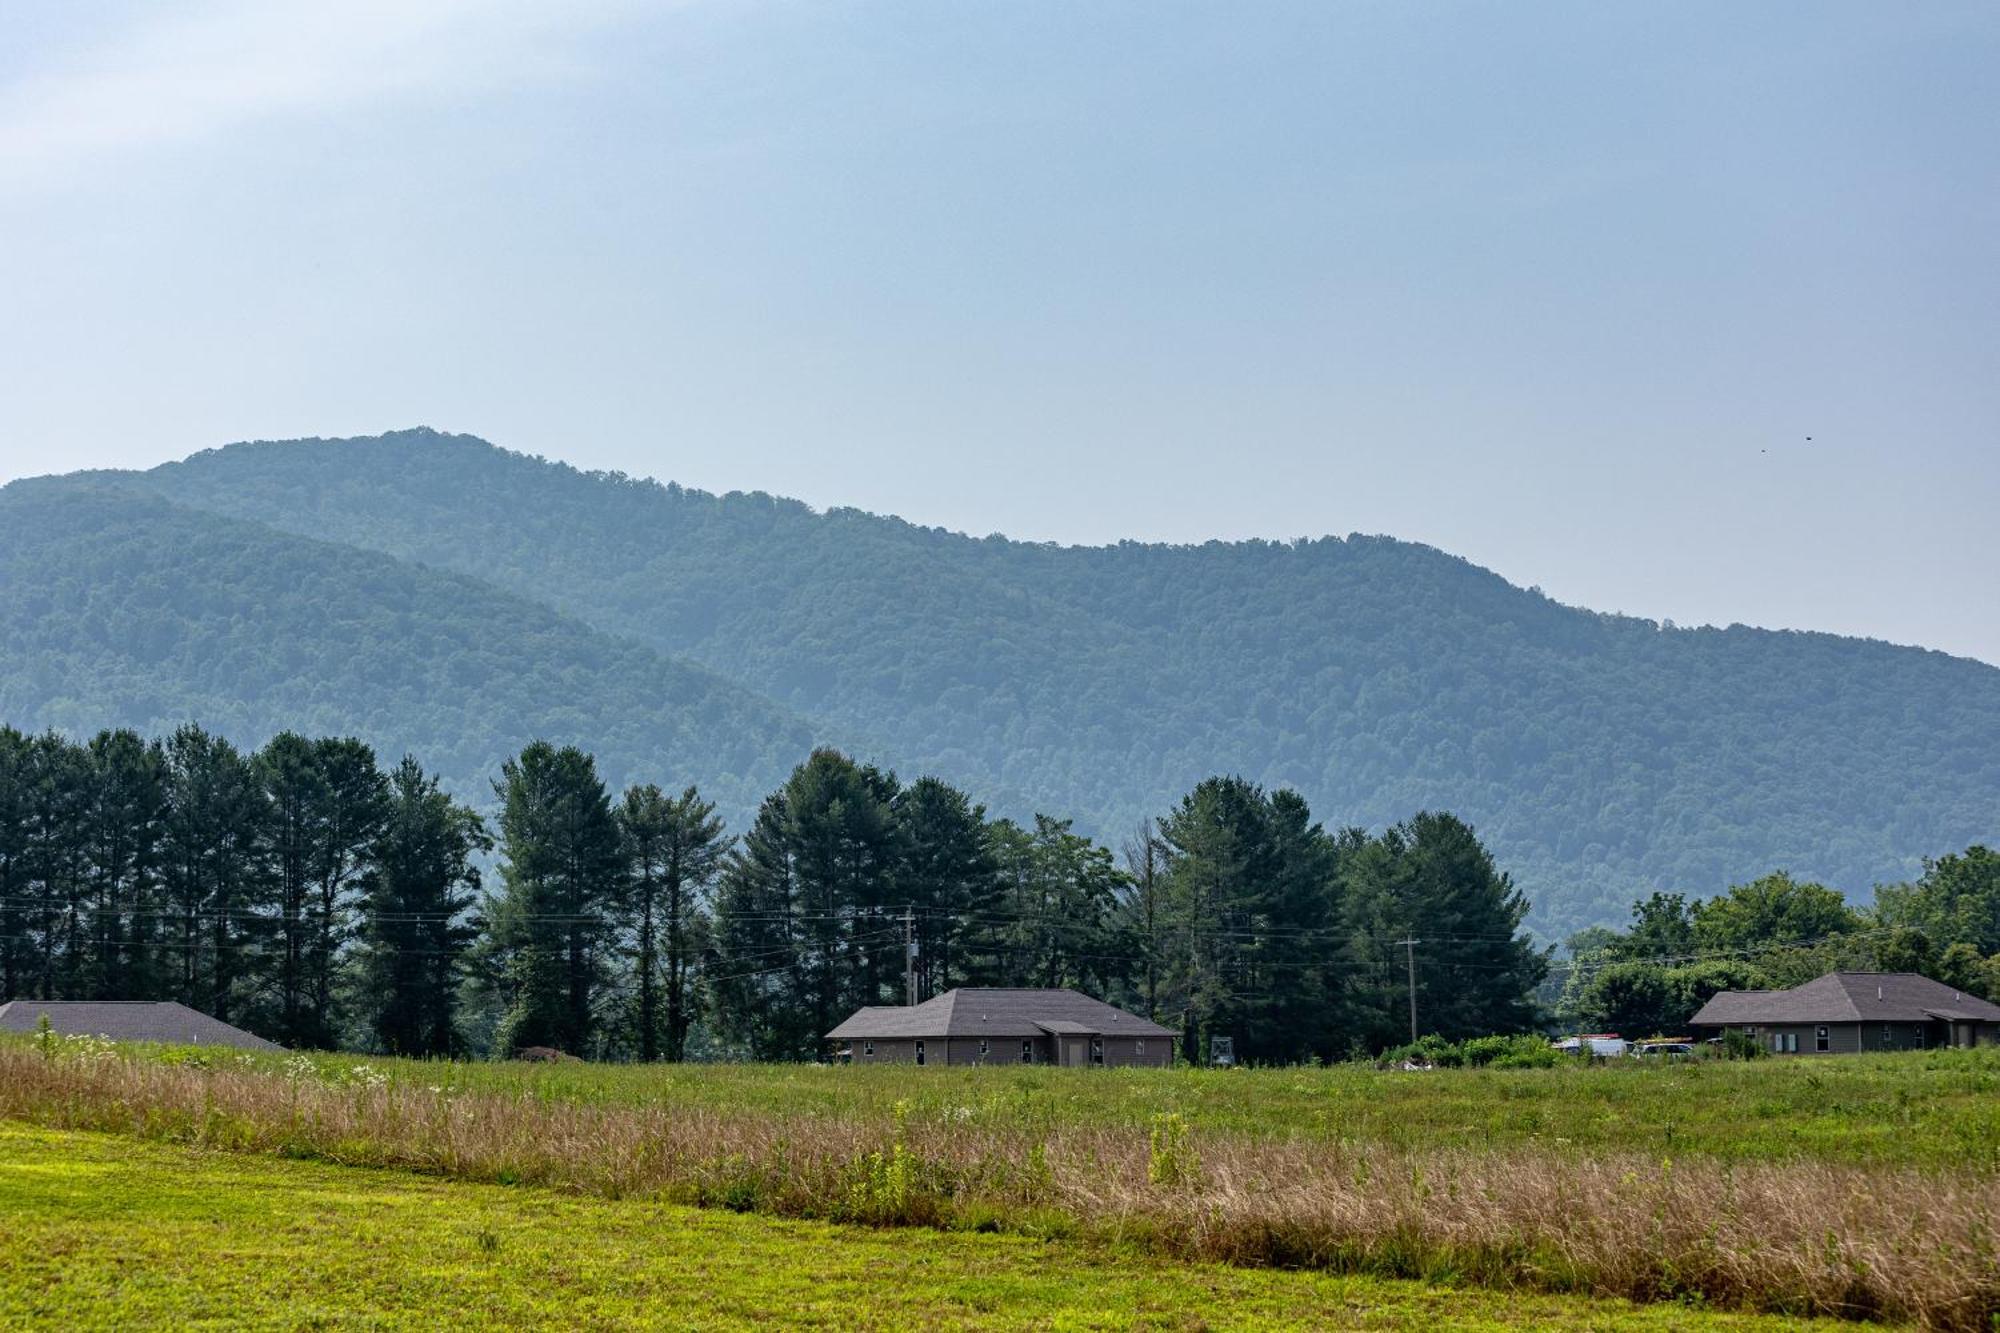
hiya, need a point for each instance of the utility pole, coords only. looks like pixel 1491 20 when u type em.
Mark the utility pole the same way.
pixel 1410 956
pixel 909 955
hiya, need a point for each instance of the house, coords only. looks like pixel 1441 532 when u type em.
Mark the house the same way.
pixel 129 1020
pixel 1844 1012
pixel 975 1026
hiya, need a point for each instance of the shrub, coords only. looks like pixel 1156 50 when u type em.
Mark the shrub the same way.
pixel 1523 1051
pixel 1427 1050
pixel 1740 1046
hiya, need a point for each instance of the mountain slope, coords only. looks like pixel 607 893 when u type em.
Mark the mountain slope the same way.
pixel 120 609
pixel 1601 755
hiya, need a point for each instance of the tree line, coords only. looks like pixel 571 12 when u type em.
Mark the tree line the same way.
pixel 304 891
pixel 1777 932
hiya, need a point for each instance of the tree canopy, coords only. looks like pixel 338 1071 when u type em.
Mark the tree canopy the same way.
pixel 1604 756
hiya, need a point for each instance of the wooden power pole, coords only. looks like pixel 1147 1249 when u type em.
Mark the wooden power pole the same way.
pixel 1410 957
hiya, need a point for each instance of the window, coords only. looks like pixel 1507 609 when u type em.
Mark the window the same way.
pixel 1888 1037
pixel 1028 1051
pixel 1921 1042
pixel 1097 1050
pixel 868 1048
pixel 1791 1043
pixel 1777 1043
pixel 982 1048
pixel 1820 1042
pixel 920 1052
pixel 1139 1046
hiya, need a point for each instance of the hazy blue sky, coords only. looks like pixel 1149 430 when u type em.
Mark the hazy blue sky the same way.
pixel 1561 288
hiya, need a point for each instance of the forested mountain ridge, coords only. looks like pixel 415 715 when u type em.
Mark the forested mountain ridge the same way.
pixel 1600 755
pixel 122 609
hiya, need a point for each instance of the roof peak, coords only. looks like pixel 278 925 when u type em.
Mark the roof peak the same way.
pixel 1013 990
pixel 135 1003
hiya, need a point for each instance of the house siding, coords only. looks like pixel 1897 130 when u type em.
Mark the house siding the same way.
pixel 1119 1052
pixel 1124 1053
pixel 891 1051
pixel 1851 1038
pixel 999 1050
pixel 1842 1038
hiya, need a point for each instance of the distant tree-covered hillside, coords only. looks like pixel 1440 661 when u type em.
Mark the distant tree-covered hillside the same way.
pixel 126 610
pixel 1600 756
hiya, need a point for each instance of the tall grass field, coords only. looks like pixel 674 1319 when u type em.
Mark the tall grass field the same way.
pixel 1863 1188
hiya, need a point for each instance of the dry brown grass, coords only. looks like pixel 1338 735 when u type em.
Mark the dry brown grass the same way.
pixel 1852 1241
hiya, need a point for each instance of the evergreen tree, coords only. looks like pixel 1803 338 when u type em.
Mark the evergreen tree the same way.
pixel 562 871
pixel 126 812
pixel 215 869
pixel 1291 1015
pixel 60 867
pixel 421 881
pixel 753 960
pixel 674 847
pixel 845 854
pixel 17 765
pixel 353 807
pixel 1430 879
pixel 806 926
pixel 947 876
pixel 292 784
pixel 1249 894
pixel 1053 920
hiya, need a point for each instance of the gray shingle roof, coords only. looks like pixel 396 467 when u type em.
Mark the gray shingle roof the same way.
pixel 1848 997
pixel 970 1012
pixel 129 1020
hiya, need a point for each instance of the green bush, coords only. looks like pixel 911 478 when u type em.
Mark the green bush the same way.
pixel 1524 1051
pixel 1426 1050
pixel 1521 1051
pixel 1740 1046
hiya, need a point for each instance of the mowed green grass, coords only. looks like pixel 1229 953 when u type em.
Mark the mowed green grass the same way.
pixel 1934 1109
pixel 99 1232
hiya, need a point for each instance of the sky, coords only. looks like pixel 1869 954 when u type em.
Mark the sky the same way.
pixel 1689 311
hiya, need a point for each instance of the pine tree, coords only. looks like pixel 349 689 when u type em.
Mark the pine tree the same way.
pixel 1218 867
pixel 59 807
pixel 1429 878
pixel 127 807
pixel 562 871
pixel 415 931
pixel 216 869
pixel 753 960
pixel 292 787
pixel 947 875
pixel 16 888
pixel 1052 920
pixel 353 805
pixel 674 847
pixel 805 921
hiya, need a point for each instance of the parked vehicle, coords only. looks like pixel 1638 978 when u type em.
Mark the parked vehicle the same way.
pixel 1596 1045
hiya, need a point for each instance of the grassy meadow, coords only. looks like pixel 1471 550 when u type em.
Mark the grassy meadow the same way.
pixel 1940 1108
pixel 106 1232
pixel 1863 1188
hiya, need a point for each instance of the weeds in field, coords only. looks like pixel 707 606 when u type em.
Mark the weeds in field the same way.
pixel 1172 1162
pixel 1797 1237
